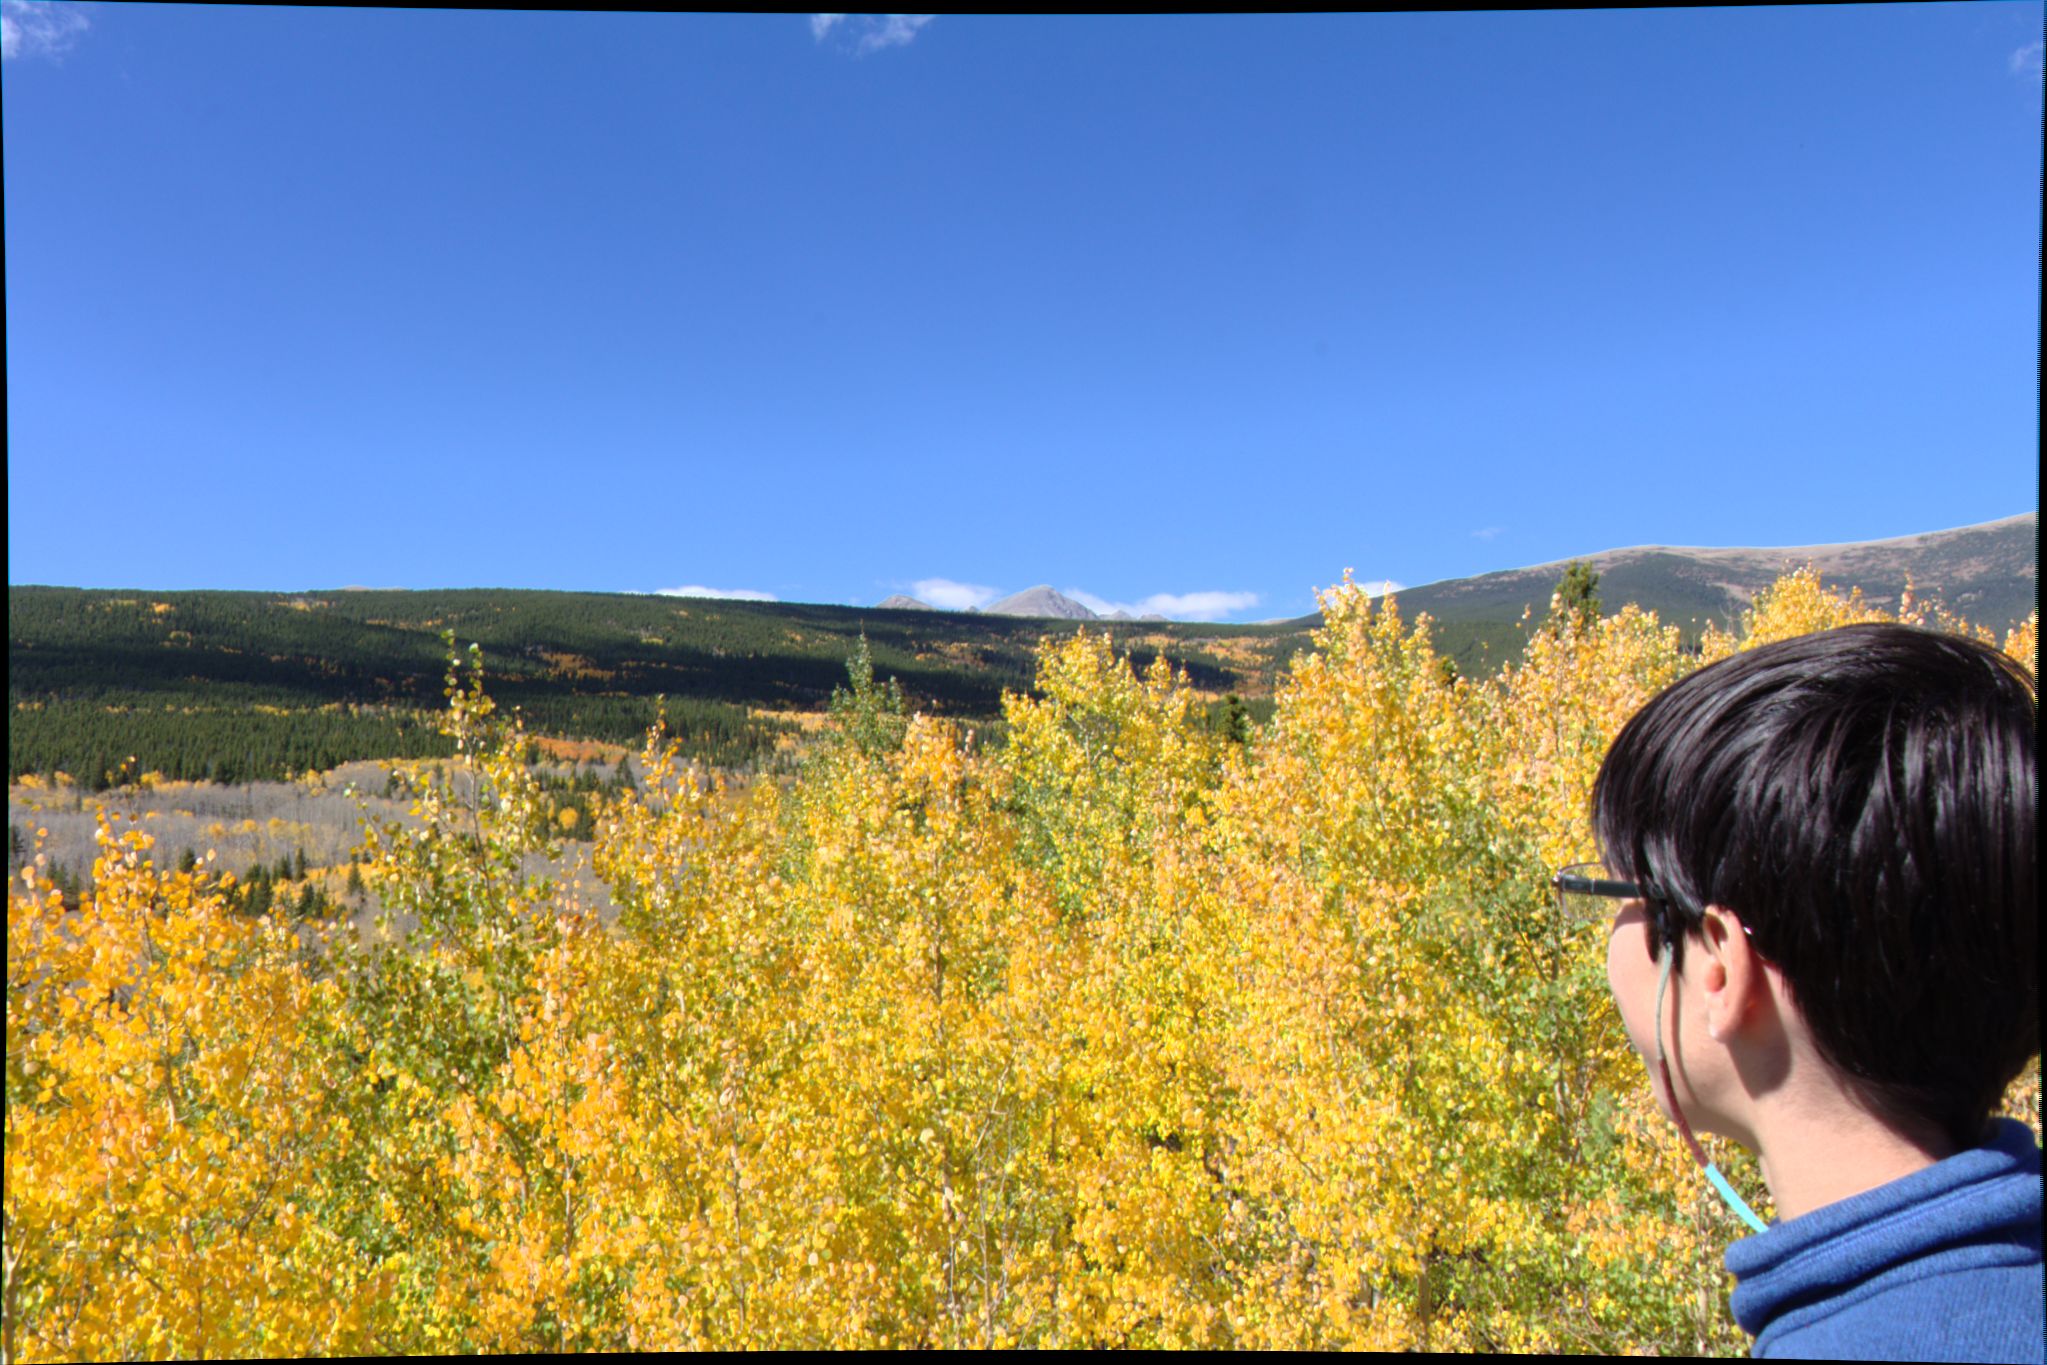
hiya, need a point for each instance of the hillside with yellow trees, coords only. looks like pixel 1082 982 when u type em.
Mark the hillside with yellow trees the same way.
pixel 1130 1031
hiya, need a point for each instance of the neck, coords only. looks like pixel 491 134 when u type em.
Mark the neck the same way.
pixel 1826 1146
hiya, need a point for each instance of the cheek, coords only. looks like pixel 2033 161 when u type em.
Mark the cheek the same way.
pixel 1614 978
pixel 1624 979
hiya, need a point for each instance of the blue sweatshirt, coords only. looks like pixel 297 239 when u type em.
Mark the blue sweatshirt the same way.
pixel 1943 1264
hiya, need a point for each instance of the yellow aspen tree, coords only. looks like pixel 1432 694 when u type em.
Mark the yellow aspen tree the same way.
pixel 1111 779
pixel 700 1008
pixel 1367 1068
pixel 435 1006
pixel 168 1113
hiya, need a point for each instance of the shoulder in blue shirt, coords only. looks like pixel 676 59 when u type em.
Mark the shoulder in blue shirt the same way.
pixel 1943 1264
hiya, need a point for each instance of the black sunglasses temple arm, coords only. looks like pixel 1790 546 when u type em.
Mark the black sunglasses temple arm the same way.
pixel 1597 886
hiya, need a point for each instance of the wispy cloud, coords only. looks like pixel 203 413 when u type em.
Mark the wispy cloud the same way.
pixel 2026 61
pixel 1379 587
pixel 1178 606
pixel 896 30
pixel 1199 606
pixel 943 592
pixel 1487 533
pixel 697 590
pixel 42 29
pixel 869 32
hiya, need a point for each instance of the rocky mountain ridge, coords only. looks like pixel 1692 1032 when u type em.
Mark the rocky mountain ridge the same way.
pixel 1989 573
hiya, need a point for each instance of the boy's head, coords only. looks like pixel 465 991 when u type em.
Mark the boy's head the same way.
pixel 1864 799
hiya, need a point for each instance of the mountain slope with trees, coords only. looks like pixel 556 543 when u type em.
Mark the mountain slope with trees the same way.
pixel 237 686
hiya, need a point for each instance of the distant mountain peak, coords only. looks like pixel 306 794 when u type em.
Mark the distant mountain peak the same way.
pixel 900 602
pixel 1042 600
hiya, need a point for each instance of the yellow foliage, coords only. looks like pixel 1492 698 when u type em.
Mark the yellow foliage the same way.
pixel 1122 1034
pixel 166 1125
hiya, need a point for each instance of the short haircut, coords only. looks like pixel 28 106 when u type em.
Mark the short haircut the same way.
pixel 1864 798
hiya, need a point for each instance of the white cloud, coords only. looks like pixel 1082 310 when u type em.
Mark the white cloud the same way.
pixel 943 592
pixel 1199 606
pixel 1379 587
pixel 694 590
pixel 895 30
pixel 2026 61
pixel 870 32
pixel 1178 606
pixel 39 30
pixel 1487 533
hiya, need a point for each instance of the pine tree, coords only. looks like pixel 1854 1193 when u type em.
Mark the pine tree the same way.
pixel 871 717
pixel 1577 596
pixel 1236 720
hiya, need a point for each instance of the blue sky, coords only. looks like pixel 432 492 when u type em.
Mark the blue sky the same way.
pixel 1183 314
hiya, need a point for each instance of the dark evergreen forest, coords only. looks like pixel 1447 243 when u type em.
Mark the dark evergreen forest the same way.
pixel 245 686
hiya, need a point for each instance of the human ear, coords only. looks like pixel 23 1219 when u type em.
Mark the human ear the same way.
pixel 1731 973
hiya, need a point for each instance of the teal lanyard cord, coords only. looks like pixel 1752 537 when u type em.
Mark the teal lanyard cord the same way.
pixel 1733 1200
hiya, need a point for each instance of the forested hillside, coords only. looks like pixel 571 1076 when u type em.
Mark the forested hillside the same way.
pixel 236 686
pixel 1988 573
pixel 242 686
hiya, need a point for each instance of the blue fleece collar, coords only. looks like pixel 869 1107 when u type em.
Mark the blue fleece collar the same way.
pixel 1978 1208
